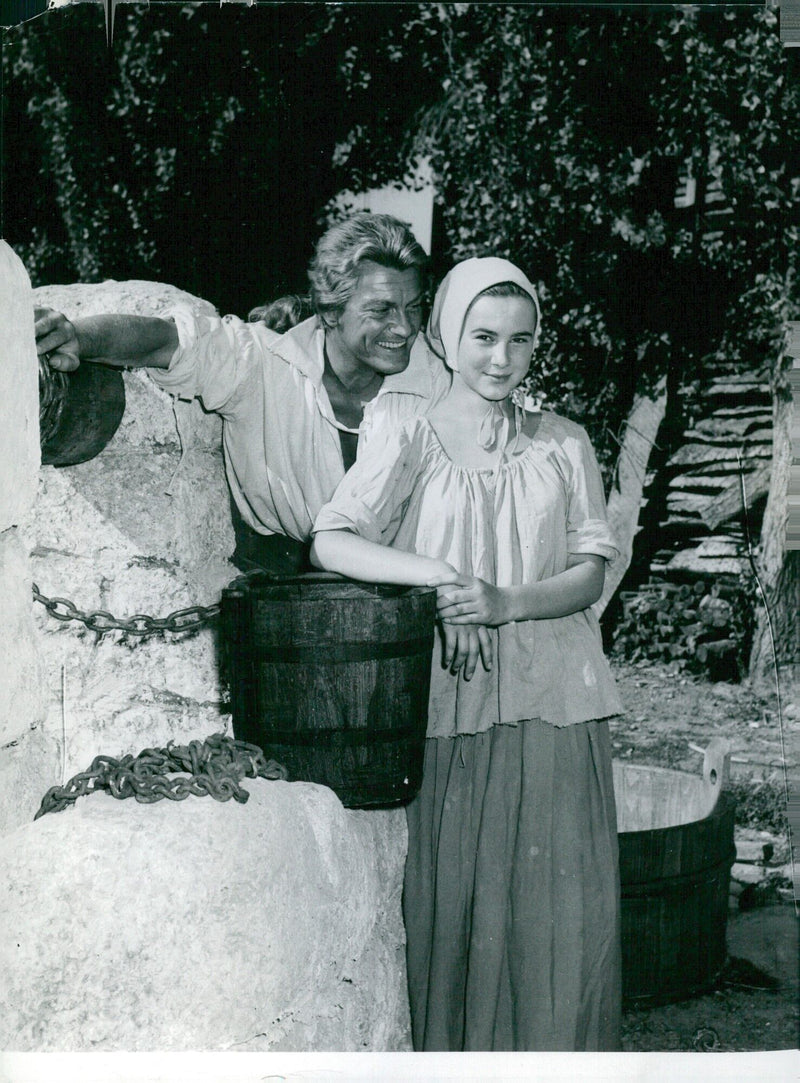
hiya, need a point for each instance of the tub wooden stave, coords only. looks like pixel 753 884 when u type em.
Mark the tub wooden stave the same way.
pixel 674 878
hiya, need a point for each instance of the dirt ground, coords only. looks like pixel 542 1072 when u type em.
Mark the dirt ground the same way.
pixel 671 717
pixel 669 711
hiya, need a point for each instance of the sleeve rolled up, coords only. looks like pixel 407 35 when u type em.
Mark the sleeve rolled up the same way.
pixel 587 524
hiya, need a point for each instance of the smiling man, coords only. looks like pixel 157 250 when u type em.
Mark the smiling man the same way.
pixel 296 407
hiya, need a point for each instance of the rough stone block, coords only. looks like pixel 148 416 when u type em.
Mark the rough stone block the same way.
pixel 753 850
pixel 21 702
pixel 161 478
pixel 747 874
pixel 29 752
pixel 273 925
pixel 270 926
pixel 31 765
pixel 149 419
pixel 19 392
pixel 119 695
pixel 144 527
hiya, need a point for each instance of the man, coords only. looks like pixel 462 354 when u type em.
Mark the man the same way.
pixel 296 407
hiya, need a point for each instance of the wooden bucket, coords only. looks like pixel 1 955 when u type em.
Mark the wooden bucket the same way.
pixel 93 402
pixel 331 677
pixel 676 851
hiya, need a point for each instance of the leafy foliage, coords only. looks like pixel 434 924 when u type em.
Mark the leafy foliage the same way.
pixel 558 137
pixel 194 151
pixel 204 147
pixel 760 803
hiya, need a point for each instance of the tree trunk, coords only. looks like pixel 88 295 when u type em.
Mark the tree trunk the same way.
pixel 778 555
pixel 625 499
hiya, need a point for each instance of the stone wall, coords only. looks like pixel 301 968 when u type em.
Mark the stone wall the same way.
pixel 272 925
pixel 143 527
pixel 269 926
pixel 28 752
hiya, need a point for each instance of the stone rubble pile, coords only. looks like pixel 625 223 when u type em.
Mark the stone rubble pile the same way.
pixel 763 870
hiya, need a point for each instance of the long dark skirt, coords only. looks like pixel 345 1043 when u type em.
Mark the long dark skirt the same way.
pixel 511 895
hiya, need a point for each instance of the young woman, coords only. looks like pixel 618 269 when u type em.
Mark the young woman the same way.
pixel 511 896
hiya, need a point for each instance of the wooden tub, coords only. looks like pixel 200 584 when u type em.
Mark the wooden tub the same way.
pixel 676 852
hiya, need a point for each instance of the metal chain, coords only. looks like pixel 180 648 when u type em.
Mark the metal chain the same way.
pixel 141 625
pixel 212 767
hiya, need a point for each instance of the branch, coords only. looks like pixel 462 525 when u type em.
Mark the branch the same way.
pixel 625 499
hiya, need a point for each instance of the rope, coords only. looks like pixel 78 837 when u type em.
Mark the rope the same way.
pixel 52 397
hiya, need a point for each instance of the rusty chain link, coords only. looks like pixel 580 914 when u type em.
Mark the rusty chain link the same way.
pixel 213 767
pixel 100 621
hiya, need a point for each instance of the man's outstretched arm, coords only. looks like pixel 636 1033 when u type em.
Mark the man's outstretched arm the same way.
pixel 119 340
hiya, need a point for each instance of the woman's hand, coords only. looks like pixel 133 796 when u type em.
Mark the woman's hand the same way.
pixel 56 339
pixel 465 599
pixel 463 645
pixel 464 641
pixel 438 573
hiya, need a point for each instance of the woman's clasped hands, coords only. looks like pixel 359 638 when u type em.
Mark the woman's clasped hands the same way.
pixel 467 607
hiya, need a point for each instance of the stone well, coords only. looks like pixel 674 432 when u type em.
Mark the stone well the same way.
pixel 273 925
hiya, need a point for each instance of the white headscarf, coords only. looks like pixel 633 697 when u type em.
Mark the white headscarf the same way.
pixel 452 302
pixel 459 288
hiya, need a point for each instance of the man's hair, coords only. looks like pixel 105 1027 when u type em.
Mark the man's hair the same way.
pixel 333 273
pixel 283 312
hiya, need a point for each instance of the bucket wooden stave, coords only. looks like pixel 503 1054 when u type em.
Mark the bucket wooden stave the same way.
pixel 91 412
pixel 674 875
pixel 331 678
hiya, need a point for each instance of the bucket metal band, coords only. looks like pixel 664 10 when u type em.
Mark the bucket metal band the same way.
pixel 362 735
pixel 326 653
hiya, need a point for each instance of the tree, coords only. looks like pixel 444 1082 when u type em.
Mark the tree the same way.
pixel 197 150
pixel 558 138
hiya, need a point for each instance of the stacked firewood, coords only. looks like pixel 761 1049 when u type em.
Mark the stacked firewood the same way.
pixel 705 629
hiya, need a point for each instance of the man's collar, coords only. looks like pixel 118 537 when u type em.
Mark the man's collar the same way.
pixel 303 347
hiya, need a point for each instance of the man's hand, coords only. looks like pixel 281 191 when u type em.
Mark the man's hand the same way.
pixel 467 600
pixel 56 339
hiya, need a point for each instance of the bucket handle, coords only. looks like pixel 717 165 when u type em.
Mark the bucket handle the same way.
pixel 303 577
pixel 716 765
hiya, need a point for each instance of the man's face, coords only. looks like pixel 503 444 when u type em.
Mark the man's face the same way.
pixel 377 327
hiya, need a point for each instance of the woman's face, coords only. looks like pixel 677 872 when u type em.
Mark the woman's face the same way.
pixel 496 345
